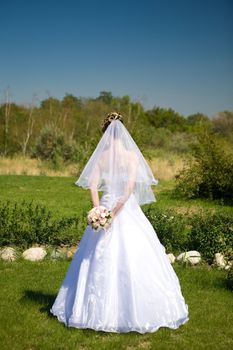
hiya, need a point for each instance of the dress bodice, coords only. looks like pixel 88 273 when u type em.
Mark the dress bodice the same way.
pixel 109 199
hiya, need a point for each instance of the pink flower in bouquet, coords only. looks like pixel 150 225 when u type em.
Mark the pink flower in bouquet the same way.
pixel 99 218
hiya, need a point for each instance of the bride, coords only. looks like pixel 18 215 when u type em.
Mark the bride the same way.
pixel 120 278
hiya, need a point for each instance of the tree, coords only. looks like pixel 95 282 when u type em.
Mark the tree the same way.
pixel 166 118
pixel 223 123
pixel 28 130
pixel 6 119
pixel 105 96
pixel 197 118
pixel 51 110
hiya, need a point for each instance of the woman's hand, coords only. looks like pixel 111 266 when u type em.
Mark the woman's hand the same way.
pixel 113 213
pixel 113 216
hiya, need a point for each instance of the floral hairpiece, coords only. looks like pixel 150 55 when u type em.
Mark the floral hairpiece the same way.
pixel 110 117
pixel 114 115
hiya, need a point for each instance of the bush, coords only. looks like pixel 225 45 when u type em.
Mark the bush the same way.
pixel 229 278
pixel 52 145
pixel 24 224
pixel 179 142
pixel 171 228
pixel 206 231
pixel 157 137
pixel 211 233
pixel 209 174
pixel 223 123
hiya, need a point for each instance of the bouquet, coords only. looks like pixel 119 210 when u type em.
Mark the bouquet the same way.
pixel 99 218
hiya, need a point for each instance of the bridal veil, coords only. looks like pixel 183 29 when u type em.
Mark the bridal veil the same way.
pixel 118 167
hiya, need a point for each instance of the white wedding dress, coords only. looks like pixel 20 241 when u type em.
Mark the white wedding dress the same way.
pixel 121 280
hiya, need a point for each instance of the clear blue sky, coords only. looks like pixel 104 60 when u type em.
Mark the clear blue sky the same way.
pixel 169 53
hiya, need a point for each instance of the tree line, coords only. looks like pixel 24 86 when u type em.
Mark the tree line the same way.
pixel 70 127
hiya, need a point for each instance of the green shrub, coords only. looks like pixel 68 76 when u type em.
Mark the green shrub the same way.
pixel 229 278
pixel 206 231
pixel 211 233
pixel 52 145
pixel 159 137
pixel 209 173
pixel 179 142
pixel 24 224
pixel 171 228
pixel 223 123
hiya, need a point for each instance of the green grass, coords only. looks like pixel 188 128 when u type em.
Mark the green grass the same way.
pixel 165 200
pixel 59 194
pixel 64 198
pixel 29 289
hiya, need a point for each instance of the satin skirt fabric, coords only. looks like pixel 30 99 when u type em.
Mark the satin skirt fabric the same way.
pixel 121 280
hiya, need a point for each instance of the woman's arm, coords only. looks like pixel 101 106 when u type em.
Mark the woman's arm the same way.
pixel 95 197
pixel 93 188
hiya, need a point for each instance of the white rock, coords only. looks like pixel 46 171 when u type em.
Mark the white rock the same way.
pixel 171 258
pixel 191 256
pixel 219 260
pixel 8 254
pixel 34 254
pixel 228 266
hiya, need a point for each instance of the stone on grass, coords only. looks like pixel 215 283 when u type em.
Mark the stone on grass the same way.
pixel 192 256
pixel 34 254
pixel 8 254
pixel 219 260
pixel 171 258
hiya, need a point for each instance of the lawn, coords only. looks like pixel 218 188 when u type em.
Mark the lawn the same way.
pixel 29 289
pixel 58 194
pixel 64 198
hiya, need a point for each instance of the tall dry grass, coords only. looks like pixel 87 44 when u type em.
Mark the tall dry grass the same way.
pixel 163 169
pixel 166 169
pixel 21 165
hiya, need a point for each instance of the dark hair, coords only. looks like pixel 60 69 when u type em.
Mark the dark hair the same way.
pixel 110 117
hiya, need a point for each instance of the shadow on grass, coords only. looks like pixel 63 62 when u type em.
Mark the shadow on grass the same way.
pixel 40 298
pixel 46 301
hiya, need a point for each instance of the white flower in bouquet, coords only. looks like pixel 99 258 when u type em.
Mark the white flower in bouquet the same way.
pixel 99 218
